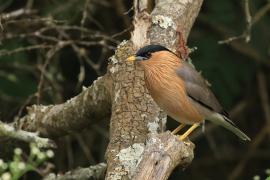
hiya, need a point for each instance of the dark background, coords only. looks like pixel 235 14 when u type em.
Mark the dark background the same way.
pixel 238 73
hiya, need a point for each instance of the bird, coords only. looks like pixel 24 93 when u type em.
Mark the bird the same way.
pixel 180 90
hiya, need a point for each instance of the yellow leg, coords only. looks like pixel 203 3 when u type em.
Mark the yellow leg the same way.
pixel 178 129
pixel 194 126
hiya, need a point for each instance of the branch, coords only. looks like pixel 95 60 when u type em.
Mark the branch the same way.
pixel 92 172
pixel 13 14
pixel 163 152
pixel 250 22
pixel 264 96
pixel 243 48
pixel 247 32
pixel 261 13
pixel 57 120
pixel 10 132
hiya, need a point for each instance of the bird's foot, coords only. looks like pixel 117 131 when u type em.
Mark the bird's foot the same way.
pixel 181 126
pixel 185 135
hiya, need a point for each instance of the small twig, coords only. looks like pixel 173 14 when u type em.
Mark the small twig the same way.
pixel 21 49
pixel 263 92
pixel 243 48
pixel 49 56
pixel 140 6
pixel 248 21
pixel 69 151
pixel 46 20
pixel 93 172
pixel 261 13
pixel 29 4
pixel 15 14
pixel 122 32
pixel 9 131
pixel 84 14
pixel 86 150
pixel 121 9
pixel 246 34
pixel 27 101
pixel 81 54
pixel 128 11
pixel 51 24
pixel 81 75
pixel 230 39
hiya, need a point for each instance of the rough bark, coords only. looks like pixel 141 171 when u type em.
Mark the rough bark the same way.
pixel 30 137
pixel 134 114
pixel 171 19
pixel 56 120
pixel 163 152
pixel 93 172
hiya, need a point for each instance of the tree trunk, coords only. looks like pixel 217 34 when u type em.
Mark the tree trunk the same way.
pixel 134 113
pixel 136 120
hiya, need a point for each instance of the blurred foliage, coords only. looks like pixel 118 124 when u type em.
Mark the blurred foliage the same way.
pixel 22 164
pixel 230 69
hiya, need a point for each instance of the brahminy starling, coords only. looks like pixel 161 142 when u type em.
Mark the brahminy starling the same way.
pixel 180 90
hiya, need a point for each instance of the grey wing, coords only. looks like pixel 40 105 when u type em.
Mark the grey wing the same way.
pixel 197 88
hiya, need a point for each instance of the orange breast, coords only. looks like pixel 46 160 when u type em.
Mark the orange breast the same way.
pixel 167 89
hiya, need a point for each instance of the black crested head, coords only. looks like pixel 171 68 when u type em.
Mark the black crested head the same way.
pixel 147 50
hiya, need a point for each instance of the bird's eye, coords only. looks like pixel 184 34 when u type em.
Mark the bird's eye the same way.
pixel 148 55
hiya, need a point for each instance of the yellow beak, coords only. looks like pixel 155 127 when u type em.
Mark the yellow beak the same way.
pixel 131 58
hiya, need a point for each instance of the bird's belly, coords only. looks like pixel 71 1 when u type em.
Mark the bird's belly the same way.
pixel 174 101
pixel 185 116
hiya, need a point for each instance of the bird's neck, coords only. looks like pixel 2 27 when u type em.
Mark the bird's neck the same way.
pixel 158 75
pixel 159 68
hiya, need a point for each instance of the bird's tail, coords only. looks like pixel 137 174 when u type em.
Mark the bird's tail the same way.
pixel 228 124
